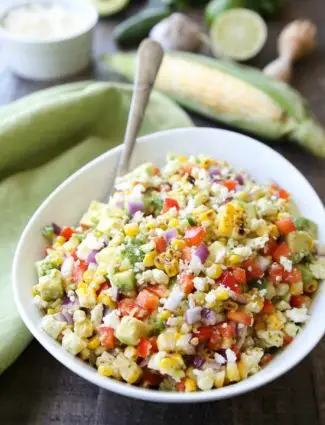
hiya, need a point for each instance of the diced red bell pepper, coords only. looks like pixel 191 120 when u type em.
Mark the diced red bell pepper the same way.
pixel 236 350
pixel 240 275
pixel 282 250
pixel 253 269
pixel 266 359
pixel 230 184
pixel 128 306
pixel 194 236
pixel 285 226
pixel 269 247
pixel 227 329
pixel 240 317
pixel 159 290
pixel 161 244
pixel 292 277
pixel 215 341
pixel 180 386
pixel 268 307
pixel 144 348
pixel 147 300
pixel 283 194
pixel 275 273
pixel 170 203
pixel 204 333
pixel 187 284
pixel 103 287
pixel 229 281
pixel 67 232
pixel 106 337
pixel 287 339
pixel 299 300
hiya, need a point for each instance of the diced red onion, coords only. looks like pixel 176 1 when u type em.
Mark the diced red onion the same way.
pixel 91 259
pixel 228 199
pixel 214 172
pixel 135 206
pixel 193 315
pixel 119 203
pixel 59 317
pixel 56 229
pixel 240 179
pixel 202 252
pixel 68 317
pixel 170 234
pixel 174 299
pixel 143 363
pixel 198 362
pixel 66 301
pixel 210 317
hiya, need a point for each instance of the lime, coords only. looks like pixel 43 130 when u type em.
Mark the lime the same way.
pixel 215 7
pixel 238 34
pixel 109 7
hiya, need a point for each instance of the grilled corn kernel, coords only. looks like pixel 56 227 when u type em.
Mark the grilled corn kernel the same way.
pixel 85 353
pixel 234 260
pixel 88 276
pixel 105 370
pixel 51 311
pixel 82 285
pixel 222 295
pixel 35 291
pixel 260 326
pixel 159 262
pixel 232 372
pixel 273 230
pixel 230 305
pixel 164 315
pixel 172 268
pixel 243 370
pixel 311 286
pixel 59 240
pixel 106 300
pixel 199 298
pixel 173 222
pixel 131 229
pixel 190 385
pixel 296 288
pixel 178 244
pixel 219 379
pixel 274 323
pixel 149 259
pixel 93 343
pixel 214 271
pixel 130 353
pixel 207 216
pixel 243 196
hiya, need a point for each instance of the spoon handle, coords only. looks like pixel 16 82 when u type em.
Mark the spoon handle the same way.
pixel 149 58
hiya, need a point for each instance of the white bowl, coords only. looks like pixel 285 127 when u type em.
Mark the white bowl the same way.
pixel 67 203
pixel 47 59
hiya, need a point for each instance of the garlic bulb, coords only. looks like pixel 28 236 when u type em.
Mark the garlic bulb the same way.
pixel 295 41
pixel 177 32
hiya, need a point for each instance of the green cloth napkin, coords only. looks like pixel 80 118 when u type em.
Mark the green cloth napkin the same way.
pixel 44 138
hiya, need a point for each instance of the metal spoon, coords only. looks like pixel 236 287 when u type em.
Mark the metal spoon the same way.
pixel 149 58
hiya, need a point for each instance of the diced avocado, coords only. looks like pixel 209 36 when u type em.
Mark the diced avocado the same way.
pixel 156 325
pixel 152 203
pixel 48 232
pixel 106 256
pixel 93 214
pixel 50 286
pixel 300 244
pixel 307 225
pixel 131 330
pixel 217 252
pixel 307 275
pixel 125 281
pixel 249 208
pixel 44 267
pixel 292 209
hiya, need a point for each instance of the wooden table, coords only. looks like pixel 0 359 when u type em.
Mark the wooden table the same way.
pixel 38 390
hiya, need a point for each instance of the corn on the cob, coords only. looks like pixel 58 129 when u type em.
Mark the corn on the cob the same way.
pixel 234 94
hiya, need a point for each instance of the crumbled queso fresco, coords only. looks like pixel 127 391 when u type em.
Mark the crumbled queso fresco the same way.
pixel 192 277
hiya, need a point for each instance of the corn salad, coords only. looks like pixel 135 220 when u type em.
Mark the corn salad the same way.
pixel 191 278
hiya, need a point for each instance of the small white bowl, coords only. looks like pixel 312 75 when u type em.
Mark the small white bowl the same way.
pixel 46 59
pixel 68 202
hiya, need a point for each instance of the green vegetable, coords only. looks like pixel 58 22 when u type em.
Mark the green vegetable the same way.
pixel 191 221
pixel 156 325
pixel 133 253
pixel 125 281
pixel 307 275
pixel 215 7
pixel 131 330
pixel 259 284
pixel 48 233
pixel 307 225
pixel 238 95
pixel 44 267
pixel 50 286
pixel 137 27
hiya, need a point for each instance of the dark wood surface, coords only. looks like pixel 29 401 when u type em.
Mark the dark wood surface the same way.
pixel 37 390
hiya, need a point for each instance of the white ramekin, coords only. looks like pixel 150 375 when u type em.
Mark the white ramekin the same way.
pixel 43 60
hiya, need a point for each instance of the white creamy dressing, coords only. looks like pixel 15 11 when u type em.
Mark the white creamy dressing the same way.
pixel 43 21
